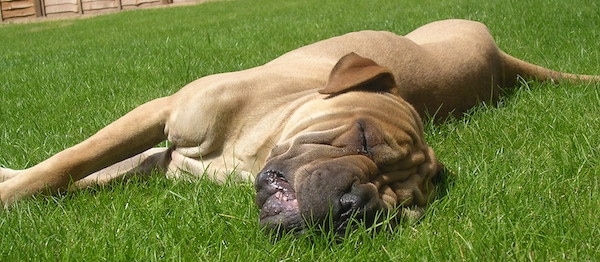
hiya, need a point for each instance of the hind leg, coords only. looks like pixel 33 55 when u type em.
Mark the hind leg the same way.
pixel 141 165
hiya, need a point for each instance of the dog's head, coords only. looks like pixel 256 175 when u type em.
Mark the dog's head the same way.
pixel 356 151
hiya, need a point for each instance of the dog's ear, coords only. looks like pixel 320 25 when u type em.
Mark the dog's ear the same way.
pixel 354 72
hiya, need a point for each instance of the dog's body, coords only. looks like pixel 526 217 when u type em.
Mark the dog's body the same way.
pixel 326 127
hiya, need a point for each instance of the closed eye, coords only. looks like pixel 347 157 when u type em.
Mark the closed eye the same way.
pixel 363 138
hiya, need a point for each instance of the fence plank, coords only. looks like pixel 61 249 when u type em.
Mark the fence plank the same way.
pixel 60 2
pixel 138 2
pixel 17 8
pixel 99 5
pixel 16 5
pixel 61 8
pixel 18 13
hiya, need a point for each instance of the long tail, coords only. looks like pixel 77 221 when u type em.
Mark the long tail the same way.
pixel 514 67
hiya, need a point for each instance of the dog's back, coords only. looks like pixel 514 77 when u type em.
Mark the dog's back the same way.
pixel 443 68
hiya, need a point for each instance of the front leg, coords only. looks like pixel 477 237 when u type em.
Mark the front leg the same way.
pixel 137 131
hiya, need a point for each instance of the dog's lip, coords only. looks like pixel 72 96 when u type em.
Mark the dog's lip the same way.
pixel 280 204
pixel 280 208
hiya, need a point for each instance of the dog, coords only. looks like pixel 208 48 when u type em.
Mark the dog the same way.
pixel 332 130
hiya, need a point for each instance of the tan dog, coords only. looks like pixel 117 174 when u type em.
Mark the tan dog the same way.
pixel 330 129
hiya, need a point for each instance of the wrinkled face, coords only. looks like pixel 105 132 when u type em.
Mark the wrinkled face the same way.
pixel 346 156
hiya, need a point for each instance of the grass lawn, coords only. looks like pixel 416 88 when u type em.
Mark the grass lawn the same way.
pixel 527 185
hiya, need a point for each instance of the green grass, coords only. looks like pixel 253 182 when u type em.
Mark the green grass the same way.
pixel 527 185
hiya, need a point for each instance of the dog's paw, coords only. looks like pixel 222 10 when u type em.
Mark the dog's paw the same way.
pixel 6 174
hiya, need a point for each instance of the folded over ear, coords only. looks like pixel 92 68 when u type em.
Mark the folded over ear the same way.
pixel 354 72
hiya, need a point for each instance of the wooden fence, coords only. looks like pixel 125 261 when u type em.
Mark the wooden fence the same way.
pixel 25 9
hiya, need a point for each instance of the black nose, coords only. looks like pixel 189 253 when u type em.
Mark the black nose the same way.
pixel 351 201
pixel 362 203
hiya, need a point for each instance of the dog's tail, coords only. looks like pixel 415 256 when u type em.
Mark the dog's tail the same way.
pixel 514 67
